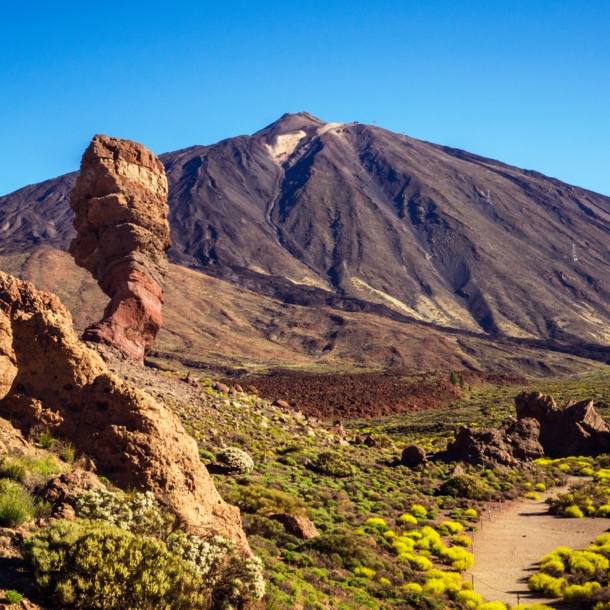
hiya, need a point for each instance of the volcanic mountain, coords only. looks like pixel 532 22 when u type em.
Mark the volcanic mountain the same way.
pixel 358 218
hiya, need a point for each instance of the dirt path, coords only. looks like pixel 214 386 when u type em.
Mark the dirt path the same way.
pixel 507 548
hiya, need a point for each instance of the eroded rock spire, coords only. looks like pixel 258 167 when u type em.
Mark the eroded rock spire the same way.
pixel 120 206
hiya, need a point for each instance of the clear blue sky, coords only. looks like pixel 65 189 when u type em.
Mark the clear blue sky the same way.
pixel 523 81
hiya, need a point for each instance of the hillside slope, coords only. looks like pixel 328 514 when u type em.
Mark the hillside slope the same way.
pixel 212 325
pixel 345 215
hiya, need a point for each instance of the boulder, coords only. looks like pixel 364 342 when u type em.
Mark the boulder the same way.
pixel 221 387
pixel 515 443
pixel 413 456
pixel 68 487
pixel 282 404
pixel 48 379
pixel 120 216
pixel 575 430
pixel 298 526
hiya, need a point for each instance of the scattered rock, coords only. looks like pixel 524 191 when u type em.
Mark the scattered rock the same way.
pixel 369 441
pixel 337 429
pixel 64 511
pixel 48 378
pixel 190 379
pixel 458 470
pixel 515 443
pixel 575 430
pixel 120 206
pixel 301 527
pixel 68 487
pixel 413 456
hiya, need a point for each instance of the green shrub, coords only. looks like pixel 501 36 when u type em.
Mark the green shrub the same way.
pixel 573 512
pixel 46 440
pixel 16 506
pixel 206 455
pixel 531 495
pixel 412 587
pixel 406 519
pixel 575 595
pixel 353 550
pixel 68 453
pixel 466 486
pixel 13 597
pixel 93 565
pixel 469 598
pixel 464 541
pixel 364 572
pixel 334 464
pixel 548 585
pixel 12 469
pixel 256 499
pixel 419 511
pixel 450 527
pixel 435 586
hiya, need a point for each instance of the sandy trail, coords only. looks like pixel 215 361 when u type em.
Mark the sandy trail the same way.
pixel 507 548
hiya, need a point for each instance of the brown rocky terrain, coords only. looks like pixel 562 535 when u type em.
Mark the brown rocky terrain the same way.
pixel 358 218
pixel 50 380
pixel 120 206
pixel 353 396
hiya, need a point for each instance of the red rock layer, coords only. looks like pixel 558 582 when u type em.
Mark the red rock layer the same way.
pixel 120 206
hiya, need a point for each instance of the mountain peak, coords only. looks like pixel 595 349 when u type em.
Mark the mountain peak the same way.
pixel 291 123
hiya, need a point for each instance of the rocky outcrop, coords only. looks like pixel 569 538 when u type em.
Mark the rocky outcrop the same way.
pixel 48 378
pixel 120 206
pixel 68 487
pixel 514 444
pixel 413 456
pixel 296 525
pixel 575 430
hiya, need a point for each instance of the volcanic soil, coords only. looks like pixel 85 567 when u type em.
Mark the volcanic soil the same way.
pixel 363 395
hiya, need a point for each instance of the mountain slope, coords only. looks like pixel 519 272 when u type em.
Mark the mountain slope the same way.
pixel 209 324
pixel 347 214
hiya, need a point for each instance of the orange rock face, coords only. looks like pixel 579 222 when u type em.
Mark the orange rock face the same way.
pixel 120 206
pixel 48 378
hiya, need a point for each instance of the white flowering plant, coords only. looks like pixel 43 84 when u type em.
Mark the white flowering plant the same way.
pixel 137 512
pixel 228 576
pixel 236 459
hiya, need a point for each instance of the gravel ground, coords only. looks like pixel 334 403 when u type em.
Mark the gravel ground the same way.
pixel 507 548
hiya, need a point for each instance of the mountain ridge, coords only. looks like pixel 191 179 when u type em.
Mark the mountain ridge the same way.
pixel 353 216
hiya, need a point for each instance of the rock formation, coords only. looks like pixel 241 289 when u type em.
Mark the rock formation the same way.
pixel 515 443
pixel 298 526
pixel 120 206
pixel 413 456
pixel 575 430
pixel 48 378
